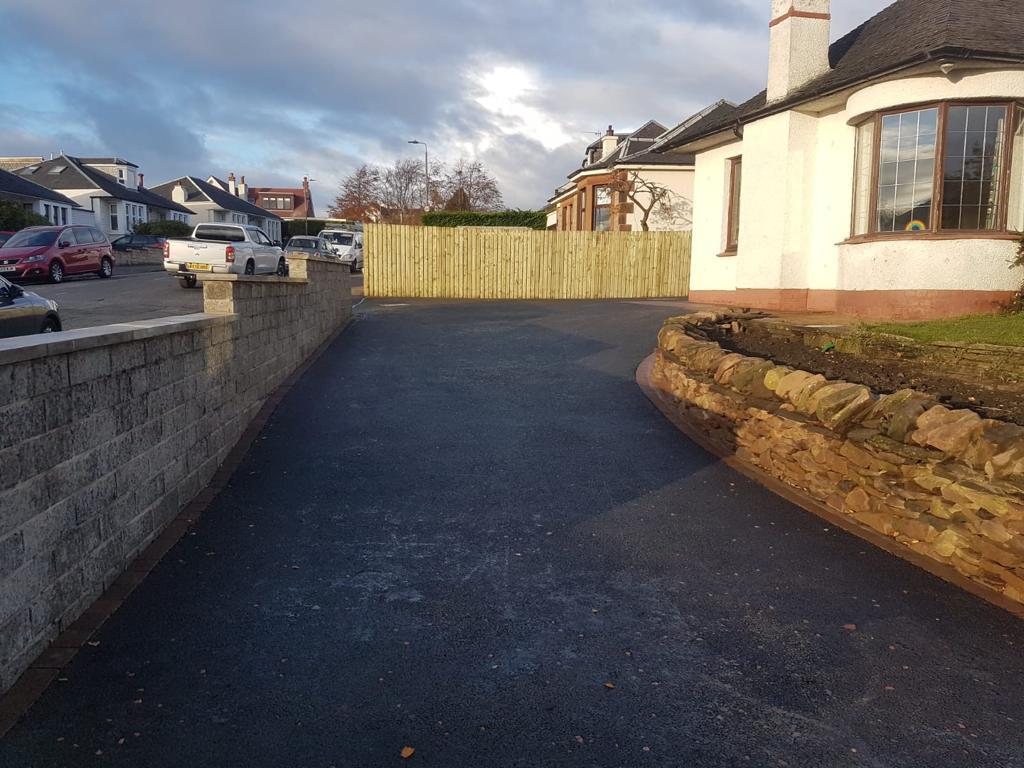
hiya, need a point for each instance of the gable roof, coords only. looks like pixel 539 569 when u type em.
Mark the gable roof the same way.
pixel 13 184
pixel 67 173
pixel 904 35
pixel 635 149
pixel 217 196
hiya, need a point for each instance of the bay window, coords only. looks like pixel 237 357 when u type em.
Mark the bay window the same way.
pixel 941 168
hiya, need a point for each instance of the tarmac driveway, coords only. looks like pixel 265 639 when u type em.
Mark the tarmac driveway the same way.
pixel 467 532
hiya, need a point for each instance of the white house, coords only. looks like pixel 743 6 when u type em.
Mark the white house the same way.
pixel 53 206
pixel 881 176
pixel 110 191
pixel 214 200
pixel 624 186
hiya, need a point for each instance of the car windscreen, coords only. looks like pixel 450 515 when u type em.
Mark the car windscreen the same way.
pixel 222 234
pixel 31 239
pixel 338 238
pixel 302 242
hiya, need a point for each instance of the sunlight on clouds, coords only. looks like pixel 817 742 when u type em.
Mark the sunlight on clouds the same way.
pixel 506 91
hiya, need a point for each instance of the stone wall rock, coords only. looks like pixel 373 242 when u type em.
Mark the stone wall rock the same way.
pixel 108 433
pixel 946 484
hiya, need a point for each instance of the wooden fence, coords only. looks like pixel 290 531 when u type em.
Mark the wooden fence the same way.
pixel 440 262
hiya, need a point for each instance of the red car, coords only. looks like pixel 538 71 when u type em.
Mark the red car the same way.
pixel 55 253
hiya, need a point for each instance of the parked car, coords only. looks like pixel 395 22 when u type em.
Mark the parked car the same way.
pixel 223 249
pixel 23 313
pixel 347 246
pixel 56 252
pixel 308 244
pixel 5 236
pixel 151 244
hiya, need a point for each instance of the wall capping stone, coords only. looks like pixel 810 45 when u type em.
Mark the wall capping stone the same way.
pixel 939 484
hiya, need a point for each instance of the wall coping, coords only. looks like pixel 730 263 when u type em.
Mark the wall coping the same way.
pixel 255 279
pixel 22 348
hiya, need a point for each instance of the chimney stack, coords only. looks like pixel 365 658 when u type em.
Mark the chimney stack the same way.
pixel 799 45
pixel 142 179
pixel 231 184
pixel 178 194
pixel 243 189
pixel 608 143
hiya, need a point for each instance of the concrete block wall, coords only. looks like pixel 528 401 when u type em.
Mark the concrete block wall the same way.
pixel 108 433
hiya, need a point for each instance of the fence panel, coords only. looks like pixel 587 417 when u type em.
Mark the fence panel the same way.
pixel 446 263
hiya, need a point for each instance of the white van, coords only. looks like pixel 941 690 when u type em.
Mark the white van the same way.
pixel 347 246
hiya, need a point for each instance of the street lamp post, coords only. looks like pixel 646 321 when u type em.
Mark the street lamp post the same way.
pixel 306 201
pixel 426 174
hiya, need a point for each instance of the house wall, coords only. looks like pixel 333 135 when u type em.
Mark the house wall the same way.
pixel 626 217
pixel 676 217
pixel 711 272
pixel 797 200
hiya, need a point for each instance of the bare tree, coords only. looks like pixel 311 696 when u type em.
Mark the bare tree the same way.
pixel 402 186
pixel 469 186
pixel 359 195
pixel 670 209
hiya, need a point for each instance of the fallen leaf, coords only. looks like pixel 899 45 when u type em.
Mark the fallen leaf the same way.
pixel 850 627
pixel 407 752
pixel 609 686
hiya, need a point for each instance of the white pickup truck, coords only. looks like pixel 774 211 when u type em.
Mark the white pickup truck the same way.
pixel 223 249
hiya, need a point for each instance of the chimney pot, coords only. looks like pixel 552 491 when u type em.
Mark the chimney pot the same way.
pixel 142 180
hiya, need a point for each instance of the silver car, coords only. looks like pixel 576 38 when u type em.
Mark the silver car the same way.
pixel 23 313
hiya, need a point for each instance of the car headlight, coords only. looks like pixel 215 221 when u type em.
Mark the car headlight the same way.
pixel 38 257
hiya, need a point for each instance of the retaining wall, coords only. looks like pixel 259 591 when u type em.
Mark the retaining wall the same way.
pixel 107 433
pixel 941 484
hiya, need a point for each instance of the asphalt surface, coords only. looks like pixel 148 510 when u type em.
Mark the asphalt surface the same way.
pixel 462 527
pixel 133 293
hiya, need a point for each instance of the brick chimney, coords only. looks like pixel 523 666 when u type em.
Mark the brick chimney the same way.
pixel 608 143
pixel 142 179
pixel 307 198
pixel 231 184
pixel 799 45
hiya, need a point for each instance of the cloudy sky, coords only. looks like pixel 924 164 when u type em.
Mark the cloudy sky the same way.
pixel 276 90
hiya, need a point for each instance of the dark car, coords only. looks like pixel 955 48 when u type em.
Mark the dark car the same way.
pixel 23 313
pixel 56 253
pixel 151 244
pixel 310 245
pixel 5 236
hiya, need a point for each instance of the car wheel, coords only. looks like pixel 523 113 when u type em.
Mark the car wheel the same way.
pixel 282 268
pixel 250 268
pixel 56 272
pixel 50 325
pixel 353 268
pixel 189 281
pixel 106 267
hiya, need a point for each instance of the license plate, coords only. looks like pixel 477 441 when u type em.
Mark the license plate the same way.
pixel 198 267
pixel 8 269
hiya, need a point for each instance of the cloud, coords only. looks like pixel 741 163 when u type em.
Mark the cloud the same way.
pixel 278 91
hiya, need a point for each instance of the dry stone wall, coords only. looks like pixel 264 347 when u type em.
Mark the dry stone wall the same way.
pixel 107 433
pixel 945 484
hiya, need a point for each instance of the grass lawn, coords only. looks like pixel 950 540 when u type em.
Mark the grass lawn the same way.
pixel 1007 330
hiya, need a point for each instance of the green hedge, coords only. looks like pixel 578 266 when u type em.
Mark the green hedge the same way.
pixel 164 229
pixel 14 217
pixel 531 219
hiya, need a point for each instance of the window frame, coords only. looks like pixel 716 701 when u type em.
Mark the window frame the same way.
pixel 935 230
pixel 733 213
pixel 601 206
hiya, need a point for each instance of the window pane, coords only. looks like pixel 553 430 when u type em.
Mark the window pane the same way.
pixel 1015 222
pixel 973 167
pixel 734 204
pixel 906 171
pixel 862 178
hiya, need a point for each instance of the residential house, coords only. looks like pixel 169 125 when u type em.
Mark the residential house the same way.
pixel 16 162
pixel 53 206
pixel 286 202
pixel 215 200
pixel 622 186
pixel 110 190
pixel 880 176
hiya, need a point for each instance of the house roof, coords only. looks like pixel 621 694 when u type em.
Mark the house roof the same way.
pixel 13 184
pixel 14 163
pixel 907 33
pixel 67 173
pixel 107 161
pixel 635 149
pixel 202 189
pixel 303 205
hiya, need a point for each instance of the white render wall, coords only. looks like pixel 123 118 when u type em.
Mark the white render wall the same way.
pixel 797 199
pixel 679 217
